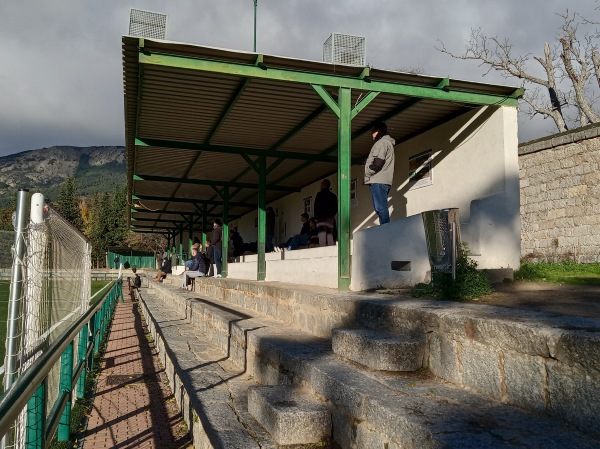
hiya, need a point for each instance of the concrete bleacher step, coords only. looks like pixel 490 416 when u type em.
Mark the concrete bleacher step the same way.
pixel 368 409
pixel 290 415
pixel 378 350
pixel 210 390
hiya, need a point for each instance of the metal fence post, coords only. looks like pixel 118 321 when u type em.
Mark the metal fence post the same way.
pixel 66 385
pixel 36 418
pixel 81 351
pixel 16 289
pixel 16 292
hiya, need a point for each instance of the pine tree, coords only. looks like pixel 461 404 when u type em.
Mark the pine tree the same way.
pixel 68 202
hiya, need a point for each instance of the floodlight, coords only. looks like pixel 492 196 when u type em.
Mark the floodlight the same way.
pixel 344 49
pixel 147 24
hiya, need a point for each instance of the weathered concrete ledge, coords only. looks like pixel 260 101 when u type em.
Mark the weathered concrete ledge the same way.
pixel 536 361
pixel 379 350
pixel 289 415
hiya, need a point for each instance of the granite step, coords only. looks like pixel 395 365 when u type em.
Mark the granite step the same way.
pixel 378 350
pixel 368 409
pixel 290 415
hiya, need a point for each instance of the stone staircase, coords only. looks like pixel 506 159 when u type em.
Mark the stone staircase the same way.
pixel 421 380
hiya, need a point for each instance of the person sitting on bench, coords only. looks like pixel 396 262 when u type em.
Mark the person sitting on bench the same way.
pixel 165 268
pixel 196 269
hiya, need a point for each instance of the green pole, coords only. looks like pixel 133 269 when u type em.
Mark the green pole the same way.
pixel 255 2
pixel 262 215
pixel 66 382
pixel 36 418
pixel 343 220
pixel 204 224
pixel 181 237
pixel 92 342
pixel 81 350
pixel 225 231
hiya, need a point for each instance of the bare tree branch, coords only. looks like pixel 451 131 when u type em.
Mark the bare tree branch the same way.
pixel 570 69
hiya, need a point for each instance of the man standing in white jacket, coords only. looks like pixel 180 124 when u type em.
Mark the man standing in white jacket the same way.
pixel 379 170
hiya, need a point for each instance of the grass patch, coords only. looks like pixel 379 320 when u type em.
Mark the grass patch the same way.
pixel 560 273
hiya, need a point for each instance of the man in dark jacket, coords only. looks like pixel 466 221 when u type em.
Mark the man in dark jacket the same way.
pixel 165 268
pixel 379 170
pixel 216 241
pixel 326 206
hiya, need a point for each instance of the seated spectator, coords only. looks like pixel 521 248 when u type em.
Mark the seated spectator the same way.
pixel 237 243
pixel 305 227
pixel 304 239
pixel 165 268
pixel 137 282
pixel 196 269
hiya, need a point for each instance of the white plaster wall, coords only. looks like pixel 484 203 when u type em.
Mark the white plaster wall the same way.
pixel 314 266
pixel 375 249
pixel 475 169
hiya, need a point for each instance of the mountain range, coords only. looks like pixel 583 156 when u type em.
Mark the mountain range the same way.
pixel 96 169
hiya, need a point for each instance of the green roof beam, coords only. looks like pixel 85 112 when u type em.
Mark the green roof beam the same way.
pixel 190 201
pixel 251 71
pixel 232 101
pixel 144 142
pixel 213 183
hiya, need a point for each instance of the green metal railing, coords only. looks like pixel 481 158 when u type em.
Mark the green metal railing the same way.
pixel 30 388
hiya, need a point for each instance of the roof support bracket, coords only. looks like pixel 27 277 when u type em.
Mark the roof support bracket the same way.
pixel 363 104
pixel 250 162
pixel 259 62
pixel 326 97
pixel 364 75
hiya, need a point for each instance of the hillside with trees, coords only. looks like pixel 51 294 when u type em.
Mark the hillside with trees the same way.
pixel 86 185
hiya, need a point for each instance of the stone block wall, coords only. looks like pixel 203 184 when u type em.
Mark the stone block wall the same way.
pixel 560 197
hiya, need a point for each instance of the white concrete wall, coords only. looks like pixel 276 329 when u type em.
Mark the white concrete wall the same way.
pixel 314 266
pixel 375 249
pixel 475 169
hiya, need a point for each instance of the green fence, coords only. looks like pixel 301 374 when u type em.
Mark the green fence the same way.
pixel 29 390
pixel 134 258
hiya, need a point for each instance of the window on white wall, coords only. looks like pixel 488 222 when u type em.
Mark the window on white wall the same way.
pixel 353 194
pixel 308 205
pixel 419 170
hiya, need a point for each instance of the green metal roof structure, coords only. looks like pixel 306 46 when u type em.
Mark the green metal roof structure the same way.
pixel 219 133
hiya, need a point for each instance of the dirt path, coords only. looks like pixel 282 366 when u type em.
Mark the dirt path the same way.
pixel 570 300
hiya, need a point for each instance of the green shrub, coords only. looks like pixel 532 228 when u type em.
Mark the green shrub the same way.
pixel 470 283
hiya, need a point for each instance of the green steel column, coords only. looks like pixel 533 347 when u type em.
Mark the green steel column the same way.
pixel 191 232
pixel 36 418
pixel 65 384
pixel 81 350
pixel 343 220
pixel 204 224
pixel 181 242
pixel 262 215
pixel 225 231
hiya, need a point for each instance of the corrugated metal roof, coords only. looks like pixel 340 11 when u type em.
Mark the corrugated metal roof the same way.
pixel 191 114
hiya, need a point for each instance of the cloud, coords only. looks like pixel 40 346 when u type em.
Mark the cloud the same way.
pixel 61 78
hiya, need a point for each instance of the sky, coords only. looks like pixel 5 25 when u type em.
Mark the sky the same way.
pixel 61 74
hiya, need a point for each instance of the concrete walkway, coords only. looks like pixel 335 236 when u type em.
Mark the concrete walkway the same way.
pixel 133 406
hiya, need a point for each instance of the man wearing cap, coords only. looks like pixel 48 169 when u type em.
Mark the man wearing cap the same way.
pixel 197 268
pixel 379 170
